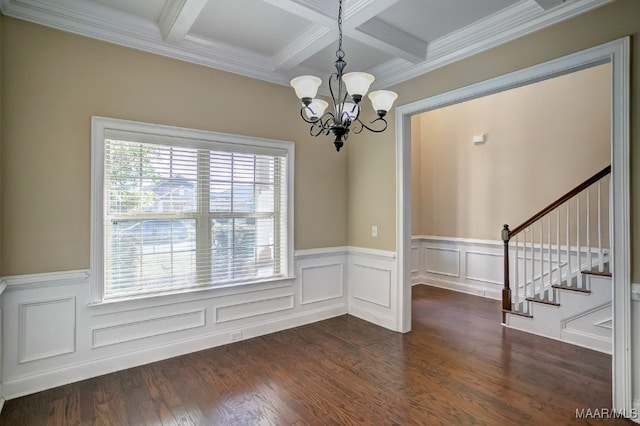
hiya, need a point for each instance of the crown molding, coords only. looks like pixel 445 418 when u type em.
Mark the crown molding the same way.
pixel 502 27
pixel 96 21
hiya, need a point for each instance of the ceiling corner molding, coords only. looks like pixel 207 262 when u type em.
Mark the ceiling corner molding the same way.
pixel 502 27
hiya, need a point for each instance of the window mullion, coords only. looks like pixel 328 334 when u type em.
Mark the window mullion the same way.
pixel 277 226
pixel 203 222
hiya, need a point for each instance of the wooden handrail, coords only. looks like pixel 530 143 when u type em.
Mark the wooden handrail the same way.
pixel 575 191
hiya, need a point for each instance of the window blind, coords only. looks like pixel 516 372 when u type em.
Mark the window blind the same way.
pixel 179 215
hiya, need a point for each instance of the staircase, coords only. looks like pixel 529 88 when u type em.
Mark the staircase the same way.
pixel 557 278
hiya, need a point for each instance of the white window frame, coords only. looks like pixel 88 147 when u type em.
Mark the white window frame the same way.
pixel 205 140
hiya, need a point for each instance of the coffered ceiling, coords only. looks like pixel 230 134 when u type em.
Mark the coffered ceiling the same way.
pixel 275 40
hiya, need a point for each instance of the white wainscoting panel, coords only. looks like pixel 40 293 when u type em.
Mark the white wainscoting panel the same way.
pixel 53 335
pixel 465 265
pixel 46 329
pixel 591 329
pixel 155 326
pixel 373 286
pixel 442 261
pixel 322 282
pixel 415 260
pixel 253 308
pixel 484 266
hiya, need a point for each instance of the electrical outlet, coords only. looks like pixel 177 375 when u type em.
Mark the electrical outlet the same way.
pixel 374 231
pixel 236 335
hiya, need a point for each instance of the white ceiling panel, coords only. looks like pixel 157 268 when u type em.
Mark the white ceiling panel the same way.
pixel 432 19
pixel 249 24
pixel 149 10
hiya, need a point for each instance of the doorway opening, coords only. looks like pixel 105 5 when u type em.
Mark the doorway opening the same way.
pixel 617 55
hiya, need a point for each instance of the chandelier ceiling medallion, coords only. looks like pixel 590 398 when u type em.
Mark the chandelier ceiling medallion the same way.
pixel 346 91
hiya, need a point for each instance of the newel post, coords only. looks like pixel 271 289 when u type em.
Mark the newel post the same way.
pixel 506 290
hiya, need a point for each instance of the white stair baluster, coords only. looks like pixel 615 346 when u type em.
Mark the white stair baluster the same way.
pixel 589 254
pixel 532 291
pixel 541 289
pixel 550 265
pixel 578 256
pixel 516 281
pixel 569 274
pixel 524 271
pixel 600 255
pixel 558 255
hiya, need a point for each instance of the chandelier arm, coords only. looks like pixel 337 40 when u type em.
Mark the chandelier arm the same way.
pixel 363 126
pixel 305 118
pixel 327 120
pixel 315 130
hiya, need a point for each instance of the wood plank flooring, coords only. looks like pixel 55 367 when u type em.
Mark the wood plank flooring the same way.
pixel 457 367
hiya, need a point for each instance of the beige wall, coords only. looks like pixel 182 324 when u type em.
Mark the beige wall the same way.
pixel 542 140
pixel 371 163
pixel 55 81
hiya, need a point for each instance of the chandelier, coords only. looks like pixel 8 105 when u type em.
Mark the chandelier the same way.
pixel 346 91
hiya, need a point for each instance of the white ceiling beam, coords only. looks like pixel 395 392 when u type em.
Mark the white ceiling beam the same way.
pixel 389 39
pixel 316 11
pixel 325 30
pixel 360 11
pixel 308 44
pixel 177 18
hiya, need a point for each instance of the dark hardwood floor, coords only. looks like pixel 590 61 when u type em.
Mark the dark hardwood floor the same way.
pixel 457 367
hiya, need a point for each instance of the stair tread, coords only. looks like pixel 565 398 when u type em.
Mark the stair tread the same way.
pixel 521 314
pixel 571 288
pixel 595 271
pixel 543 301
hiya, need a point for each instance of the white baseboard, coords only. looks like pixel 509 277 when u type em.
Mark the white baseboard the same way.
pixel 373 317
pixel 1 404
pixel 584 343
pixel 587 340
pixel 73 373
pixel 460 287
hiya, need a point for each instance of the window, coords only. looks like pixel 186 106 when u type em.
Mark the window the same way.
pixel 178 209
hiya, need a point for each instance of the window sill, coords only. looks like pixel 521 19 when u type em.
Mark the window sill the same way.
pixel 106 307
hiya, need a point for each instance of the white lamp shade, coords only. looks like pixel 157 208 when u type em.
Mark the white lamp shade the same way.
pixel 306 86
pixel 349 109
pixel 358 82
pixel 316 108
pixel 382 100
